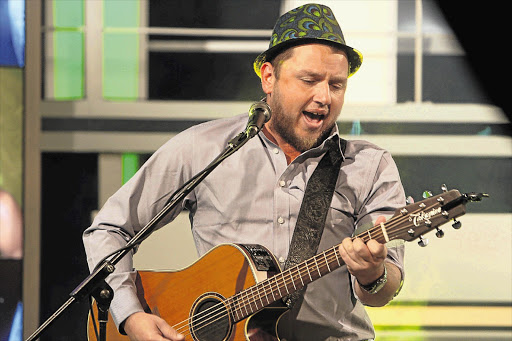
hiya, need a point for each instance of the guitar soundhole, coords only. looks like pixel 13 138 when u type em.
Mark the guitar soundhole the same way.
pixel 209 319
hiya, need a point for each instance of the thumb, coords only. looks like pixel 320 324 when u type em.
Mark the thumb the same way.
pixel 168 332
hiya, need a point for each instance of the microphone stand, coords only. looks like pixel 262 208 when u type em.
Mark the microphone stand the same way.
pixel 95 285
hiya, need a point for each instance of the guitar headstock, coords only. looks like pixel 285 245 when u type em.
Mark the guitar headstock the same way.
pixel 413 221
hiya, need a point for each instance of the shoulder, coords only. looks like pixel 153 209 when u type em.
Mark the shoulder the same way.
pixel 363 148
pixel 219 125
pixel 368 157
pixel 214 131
pixel 200 142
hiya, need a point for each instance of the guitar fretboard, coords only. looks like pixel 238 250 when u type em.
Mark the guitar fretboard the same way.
pixel 264 293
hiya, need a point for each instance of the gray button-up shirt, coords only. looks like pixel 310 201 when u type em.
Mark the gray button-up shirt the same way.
pixel 254 197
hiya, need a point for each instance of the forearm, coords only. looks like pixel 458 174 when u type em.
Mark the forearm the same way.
pixel 99 243
pixel 386 294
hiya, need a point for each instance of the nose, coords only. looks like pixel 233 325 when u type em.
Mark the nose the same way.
pixel 322 94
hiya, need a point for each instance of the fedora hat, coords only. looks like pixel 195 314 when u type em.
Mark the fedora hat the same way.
pixel 311 23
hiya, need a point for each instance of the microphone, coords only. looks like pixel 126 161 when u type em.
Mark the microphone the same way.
pixel 259 114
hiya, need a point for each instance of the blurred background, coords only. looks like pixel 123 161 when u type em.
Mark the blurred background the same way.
pixel 90 88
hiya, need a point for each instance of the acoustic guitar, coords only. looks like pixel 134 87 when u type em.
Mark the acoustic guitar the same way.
pixel 235 291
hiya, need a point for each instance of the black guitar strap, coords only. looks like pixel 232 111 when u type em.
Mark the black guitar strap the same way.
pixel 313 210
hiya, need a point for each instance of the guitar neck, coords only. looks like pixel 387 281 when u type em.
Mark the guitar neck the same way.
pixel 263 294
pixel 407 224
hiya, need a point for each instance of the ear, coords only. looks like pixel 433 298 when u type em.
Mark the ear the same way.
pixel 267 78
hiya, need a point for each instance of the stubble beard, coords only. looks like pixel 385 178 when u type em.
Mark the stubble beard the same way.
pixel 284 125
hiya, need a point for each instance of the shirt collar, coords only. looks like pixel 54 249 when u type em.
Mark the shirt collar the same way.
pixel 322 148
pixel 335 136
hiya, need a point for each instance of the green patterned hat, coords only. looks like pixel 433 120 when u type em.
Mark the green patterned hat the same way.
pixel 311 23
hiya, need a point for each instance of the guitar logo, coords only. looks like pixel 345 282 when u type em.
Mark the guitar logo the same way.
pixel 418 218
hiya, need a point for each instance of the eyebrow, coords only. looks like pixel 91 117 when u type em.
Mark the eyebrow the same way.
pixel 310 73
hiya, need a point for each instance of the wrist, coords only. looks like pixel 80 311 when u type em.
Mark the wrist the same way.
pixel 376 285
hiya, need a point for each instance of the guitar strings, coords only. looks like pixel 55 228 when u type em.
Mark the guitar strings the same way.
pixel 251 298
pixel 329 257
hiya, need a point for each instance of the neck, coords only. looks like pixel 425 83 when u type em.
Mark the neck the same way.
pixel 289 151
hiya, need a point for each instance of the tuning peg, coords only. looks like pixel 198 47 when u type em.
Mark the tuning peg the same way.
pixel 456 224
pixel 423 241
pixel 409 200
pixel 426 194
pixel 473 197
pixel 439 233
pixel 444 188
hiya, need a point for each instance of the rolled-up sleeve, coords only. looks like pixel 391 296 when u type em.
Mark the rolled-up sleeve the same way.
pixel 384 194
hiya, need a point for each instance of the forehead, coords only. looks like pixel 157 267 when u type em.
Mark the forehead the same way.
pixel 317 57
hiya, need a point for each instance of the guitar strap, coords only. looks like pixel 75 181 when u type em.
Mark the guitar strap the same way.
pixel 313 210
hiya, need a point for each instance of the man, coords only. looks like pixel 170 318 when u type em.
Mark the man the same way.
pixel 254 196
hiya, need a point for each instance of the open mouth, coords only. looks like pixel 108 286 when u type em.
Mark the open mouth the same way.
pixel 313 117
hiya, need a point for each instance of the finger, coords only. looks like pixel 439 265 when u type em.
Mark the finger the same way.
pixel 344 249
pixel 361 250
pixel 349 253
pixel 345 246
pixel 381 219
pixel 168 332
pixel 377 251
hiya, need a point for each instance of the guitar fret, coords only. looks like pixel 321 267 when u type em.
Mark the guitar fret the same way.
pixel 236 311
pixel 285 285
pixel 293 280
pixel 327 263
pixel 336 254
pixel 230 310
pixel 253 298
pixel 245 306
pixel 277 284
pixel 300 277
pixel 266 296
pixel 317 268
pixel 239 311
pixel 309 273
pixel 272 292
pixel 259 295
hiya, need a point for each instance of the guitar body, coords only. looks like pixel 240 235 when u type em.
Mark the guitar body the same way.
pixel 199 290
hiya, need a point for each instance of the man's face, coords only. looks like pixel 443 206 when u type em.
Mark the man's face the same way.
pixel 308 96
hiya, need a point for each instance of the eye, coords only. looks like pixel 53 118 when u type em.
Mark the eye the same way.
pixel 338 86
pixel 308 81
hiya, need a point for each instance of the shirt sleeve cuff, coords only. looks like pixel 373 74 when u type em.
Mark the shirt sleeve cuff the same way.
pixel 124 304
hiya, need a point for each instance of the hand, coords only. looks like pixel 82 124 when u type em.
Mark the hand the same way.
pixel 144 327
pixel 364 261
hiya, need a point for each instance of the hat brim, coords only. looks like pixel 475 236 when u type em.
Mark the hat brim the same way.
pixel 355 58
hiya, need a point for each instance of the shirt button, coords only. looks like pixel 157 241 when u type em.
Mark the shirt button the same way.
pixel 282 183
pixel 281 260
pixel 276 151
pixel 280 220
